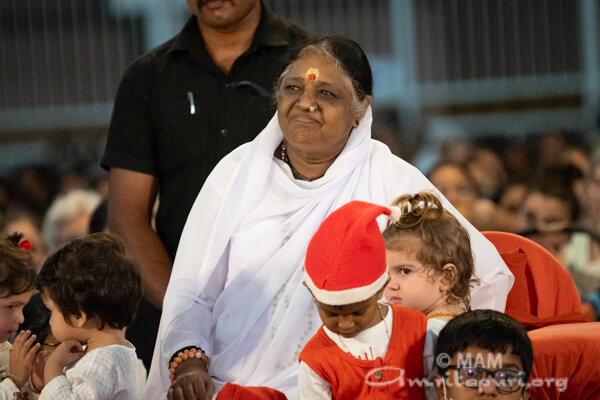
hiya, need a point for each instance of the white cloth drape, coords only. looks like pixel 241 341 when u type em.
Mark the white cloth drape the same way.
pixel 236 287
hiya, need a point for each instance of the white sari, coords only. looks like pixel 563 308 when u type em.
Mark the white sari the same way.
pixel 236 287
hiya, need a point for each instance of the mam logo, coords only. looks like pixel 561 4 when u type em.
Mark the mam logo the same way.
pixel 492 361
pixel 393 375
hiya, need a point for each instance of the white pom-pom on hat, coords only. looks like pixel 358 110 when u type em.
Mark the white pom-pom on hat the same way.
pixel 395 214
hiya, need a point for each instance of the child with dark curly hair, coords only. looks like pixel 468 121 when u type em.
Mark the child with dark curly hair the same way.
pixel 17 280
pixel 92 289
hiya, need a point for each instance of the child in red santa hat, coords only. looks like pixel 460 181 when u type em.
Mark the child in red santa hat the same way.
pixel 364 349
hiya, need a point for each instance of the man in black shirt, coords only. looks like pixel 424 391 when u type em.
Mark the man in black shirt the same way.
pixel 179 109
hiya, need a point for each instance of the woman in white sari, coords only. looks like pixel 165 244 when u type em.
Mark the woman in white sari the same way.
pixel 236 288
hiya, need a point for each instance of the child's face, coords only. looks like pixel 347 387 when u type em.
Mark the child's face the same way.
pixel 462 384
pixel 60 328
pixel 410 284
pixel 351 319
pixel 11 313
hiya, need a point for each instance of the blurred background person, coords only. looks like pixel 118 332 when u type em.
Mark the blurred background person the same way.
pixel 20 219
pixel 460 188
pixel 68 218
pixel 550 215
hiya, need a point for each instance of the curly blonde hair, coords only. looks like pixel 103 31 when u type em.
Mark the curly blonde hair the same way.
pixel 443 240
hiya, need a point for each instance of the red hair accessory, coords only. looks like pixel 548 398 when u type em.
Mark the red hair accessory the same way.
pixel 25 245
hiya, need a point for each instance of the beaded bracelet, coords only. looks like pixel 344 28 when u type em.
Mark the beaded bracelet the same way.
pixel 185 354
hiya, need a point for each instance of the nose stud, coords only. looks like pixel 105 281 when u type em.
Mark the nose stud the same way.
pixel 312 109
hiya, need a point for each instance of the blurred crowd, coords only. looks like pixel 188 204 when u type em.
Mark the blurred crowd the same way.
pixel 51 208
pixel 543 186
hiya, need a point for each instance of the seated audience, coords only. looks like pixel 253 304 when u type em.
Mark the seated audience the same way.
pixel 592 195
pixel 458 186
pixel 549 212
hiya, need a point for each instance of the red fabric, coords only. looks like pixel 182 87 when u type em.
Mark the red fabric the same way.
pixel 346 374
pixel 570 352
pixel 231 391
pixel 348 240
pixel 544 293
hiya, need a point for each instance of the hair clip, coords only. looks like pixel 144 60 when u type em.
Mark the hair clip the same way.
pixel 25 245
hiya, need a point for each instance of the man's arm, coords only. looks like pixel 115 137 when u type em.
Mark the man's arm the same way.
pixel 130 201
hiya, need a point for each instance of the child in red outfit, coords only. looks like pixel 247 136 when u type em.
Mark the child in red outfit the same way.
pixel 364 349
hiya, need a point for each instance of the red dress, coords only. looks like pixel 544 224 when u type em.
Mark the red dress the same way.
pixel 399 375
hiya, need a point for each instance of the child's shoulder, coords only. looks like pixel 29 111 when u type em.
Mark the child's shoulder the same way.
pixel 110 355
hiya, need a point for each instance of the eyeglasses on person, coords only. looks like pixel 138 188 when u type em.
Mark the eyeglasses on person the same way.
pixel 506 380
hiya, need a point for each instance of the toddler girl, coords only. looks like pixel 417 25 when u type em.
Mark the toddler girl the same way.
pixel 17 280
pixel 429 258
pixel 430 263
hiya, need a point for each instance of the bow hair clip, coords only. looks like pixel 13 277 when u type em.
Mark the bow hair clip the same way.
pixel 25 245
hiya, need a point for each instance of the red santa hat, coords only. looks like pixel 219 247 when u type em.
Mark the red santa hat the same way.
pixel 345 260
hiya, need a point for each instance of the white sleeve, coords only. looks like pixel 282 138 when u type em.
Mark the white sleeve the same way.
pixel 429 354
pixel 429 367
pixel 7 389
pixel 60 388
pixel 199 273
pixel 98 376
pixel 311 386
pixel 492 293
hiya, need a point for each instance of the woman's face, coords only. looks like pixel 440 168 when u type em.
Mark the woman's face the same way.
pixel 320 135
pixel 593 196
pixel 453 183
pixel 549 215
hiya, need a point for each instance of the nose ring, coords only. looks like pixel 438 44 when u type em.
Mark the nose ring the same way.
pixel 312 109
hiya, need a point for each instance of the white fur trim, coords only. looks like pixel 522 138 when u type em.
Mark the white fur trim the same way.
pixel 348 296
pixel 395 214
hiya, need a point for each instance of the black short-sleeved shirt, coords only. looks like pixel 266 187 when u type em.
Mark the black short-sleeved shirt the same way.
pixel 176 114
